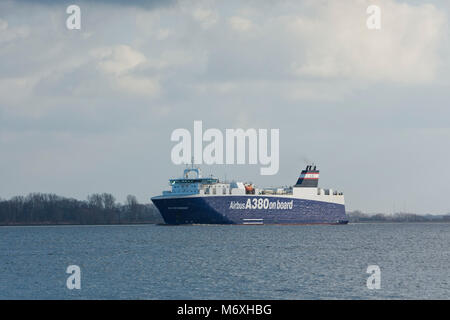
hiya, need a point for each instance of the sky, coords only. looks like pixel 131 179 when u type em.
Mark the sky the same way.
pixel 92 110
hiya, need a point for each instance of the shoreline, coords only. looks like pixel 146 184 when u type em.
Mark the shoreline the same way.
pixel 158 223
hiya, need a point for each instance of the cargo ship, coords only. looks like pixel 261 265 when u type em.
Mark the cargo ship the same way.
pixel 194 199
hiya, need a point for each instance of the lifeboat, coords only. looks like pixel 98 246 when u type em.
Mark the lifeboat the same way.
pixel 249 189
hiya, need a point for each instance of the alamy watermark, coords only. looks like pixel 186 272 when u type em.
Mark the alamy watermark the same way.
pixel 374 20
pixel 234 147
pixel 74 280
pixel 374 280
pixel 73 21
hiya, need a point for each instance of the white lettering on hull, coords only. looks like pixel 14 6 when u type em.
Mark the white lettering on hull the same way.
pixel 261 204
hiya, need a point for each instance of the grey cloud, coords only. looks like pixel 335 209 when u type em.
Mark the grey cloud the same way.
pixel 66 126
pixel 148 4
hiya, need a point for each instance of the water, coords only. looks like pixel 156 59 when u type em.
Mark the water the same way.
pixel 226 262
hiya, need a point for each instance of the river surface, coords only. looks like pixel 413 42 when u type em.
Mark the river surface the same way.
pixel 226 262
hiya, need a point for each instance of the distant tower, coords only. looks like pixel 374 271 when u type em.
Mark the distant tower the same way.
pixel 309 178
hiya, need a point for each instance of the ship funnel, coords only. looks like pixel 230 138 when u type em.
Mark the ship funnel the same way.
pixel 309 178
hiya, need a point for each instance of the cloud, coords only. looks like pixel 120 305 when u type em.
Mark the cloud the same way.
pixel 3 25
pixel 240 24
pixel 119 59
pixel 148 4
pixel 336 90
pixel 405 50
pixel 139 85
pixel 8 34
pixel 206 17
pixel 12 86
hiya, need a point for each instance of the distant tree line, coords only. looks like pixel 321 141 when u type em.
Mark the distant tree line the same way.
pixel 358 216
pixel 40 208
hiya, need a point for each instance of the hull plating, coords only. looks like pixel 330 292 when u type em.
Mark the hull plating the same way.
pixel 248 210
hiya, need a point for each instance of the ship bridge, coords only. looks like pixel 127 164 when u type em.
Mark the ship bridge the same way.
pixel 190 184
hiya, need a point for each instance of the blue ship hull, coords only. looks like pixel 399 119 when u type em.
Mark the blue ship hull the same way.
pixel 248 210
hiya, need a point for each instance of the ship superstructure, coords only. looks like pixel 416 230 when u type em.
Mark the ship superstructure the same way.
pixel 194 199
